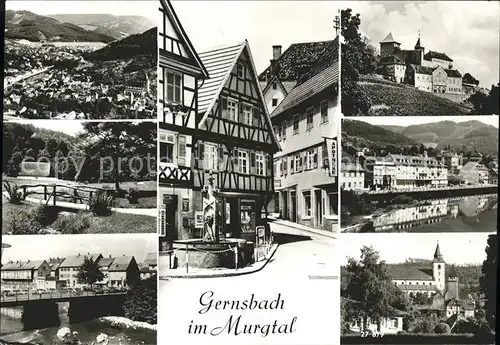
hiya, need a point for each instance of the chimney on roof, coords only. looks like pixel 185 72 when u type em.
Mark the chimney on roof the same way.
pixel 110 256
pixel 276 52
pixel 78 254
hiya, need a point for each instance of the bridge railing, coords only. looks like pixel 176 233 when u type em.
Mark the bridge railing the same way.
pixel 34 296
pixel 75 194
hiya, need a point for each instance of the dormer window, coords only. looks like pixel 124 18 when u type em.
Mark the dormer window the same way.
pixel 275 86
pixel 241 70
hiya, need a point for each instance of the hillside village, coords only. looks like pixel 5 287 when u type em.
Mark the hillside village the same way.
pixel 61 79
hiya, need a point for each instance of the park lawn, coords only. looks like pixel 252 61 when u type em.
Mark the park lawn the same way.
pixel 122 223
pixel 114 223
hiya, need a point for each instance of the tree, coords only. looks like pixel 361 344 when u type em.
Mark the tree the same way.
pixel 141 301
pixel 356 59
pixel 488 280
pixel 368 282
pixel 89 272
pixel 14 164
pixel 486 104
pixel 115 143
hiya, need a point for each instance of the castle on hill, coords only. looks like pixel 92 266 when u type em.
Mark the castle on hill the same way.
pixel 431 72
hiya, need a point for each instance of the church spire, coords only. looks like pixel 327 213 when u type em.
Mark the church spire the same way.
pixel 438 257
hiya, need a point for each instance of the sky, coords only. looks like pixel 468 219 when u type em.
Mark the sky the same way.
pixel 140 8
pixel 262 23
pixel 456 248
pixel 70 127
pixel 467 31
pixel 418 120
pixel 24 247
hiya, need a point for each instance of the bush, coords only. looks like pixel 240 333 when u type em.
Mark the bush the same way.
pixel 442 328
pixel 141 302
pixel 100 203
pixel 44 214
pixel 72 224
pixel 133 196
pixel 402 200
pixel 21 222
pixel 15 195
pixel 402 333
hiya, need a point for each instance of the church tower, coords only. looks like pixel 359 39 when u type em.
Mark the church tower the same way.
pixel 388 46
pixel 421 49
pixel 439 269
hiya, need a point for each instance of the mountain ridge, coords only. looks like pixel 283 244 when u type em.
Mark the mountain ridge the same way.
pixel 34 27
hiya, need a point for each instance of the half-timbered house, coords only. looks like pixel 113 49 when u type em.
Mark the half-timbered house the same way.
pixel 235 143
pixel 213 125
pixel 180 75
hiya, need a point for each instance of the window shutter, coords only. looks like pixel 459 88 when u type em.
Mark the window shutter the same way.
pixel 255 112
pixel 182 150
pixel 304 161
pixel 162 224
pixel 234 159
pixel 221 157
pixel 252 163
pixel 201 152
pixel 292 162
pixel 224 113
pixel 269 163
pixel 281 168
pixel 285 168
pixel 315 159
pixel 239 118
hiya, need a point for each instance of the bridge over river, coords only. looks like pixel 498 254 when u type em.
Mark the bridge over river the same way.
pixel 32 297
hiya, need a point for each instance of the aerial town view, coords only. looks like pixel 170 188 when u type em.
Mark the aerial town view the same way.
pixel 78 65
pixel 401 58
pixel 74 177
pixel 419 175
pixel 442 291
pixel 90 290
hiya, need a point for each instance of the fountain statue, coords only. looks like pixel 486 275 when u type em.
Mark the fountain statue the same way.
pixel 210 210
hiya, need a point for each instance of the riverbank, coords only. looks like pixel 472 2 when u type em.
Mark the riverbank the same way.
pixel 120 321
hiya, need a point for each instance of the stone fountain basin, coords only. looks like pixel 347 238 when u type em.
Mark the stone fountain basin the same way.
pixel 205 254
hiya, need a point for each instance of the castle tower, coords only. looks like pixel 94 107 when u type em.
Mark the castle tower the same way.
pixel 439 269
pixel 420 48
pixel 388 45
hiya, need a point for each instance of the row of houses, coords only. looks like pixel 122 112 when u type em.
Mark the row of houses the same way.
pixel 407 172
pixel 221 122
pixel 57 273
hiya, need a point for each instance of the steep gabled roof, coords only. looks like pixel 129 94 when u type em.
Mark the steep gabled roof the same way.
pixel 182 34
pixel 320 77
pixel 77 260
pixel 437 55
pixel 105 262
pixel 453 73
pixel 151 259
pixel 22 265
pixel 275 79
pixel 389 39
pixel 219 63
pixel 304 54
pixel 121 263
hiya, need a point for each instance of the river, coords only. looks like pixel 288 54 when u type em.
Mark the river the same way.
pixel 11 329
pixel 464 214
